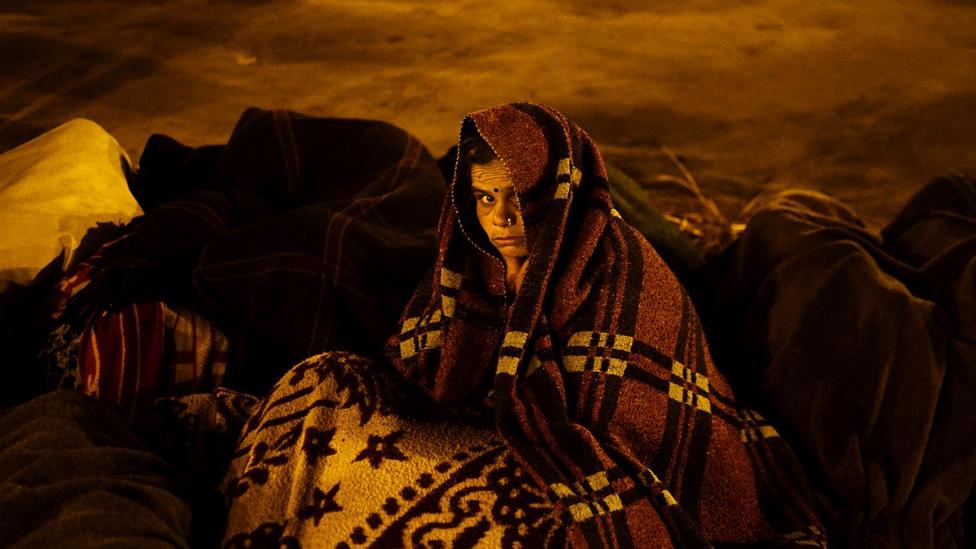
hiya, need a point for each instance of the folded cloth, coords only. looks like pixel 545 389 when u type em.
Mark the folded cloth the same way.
pixel 72 475
pixel 132 355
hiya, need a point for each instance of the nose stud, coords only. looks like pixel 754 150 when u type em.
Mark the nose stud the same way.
pixel 508 221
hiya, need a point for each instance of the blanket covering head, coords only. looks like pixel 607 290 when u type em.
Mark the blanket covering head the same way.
pixel 597 370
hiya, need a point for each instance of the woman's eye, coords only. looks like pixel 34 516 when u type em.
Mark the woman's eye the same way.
pixel 486 199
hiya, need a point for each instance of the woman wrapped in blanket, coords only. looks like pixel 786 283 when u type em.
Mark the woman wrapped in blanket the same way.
pixel 560 390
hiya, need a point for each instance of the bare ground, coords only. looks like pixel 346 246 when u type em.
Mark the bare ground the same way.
pixel 863 100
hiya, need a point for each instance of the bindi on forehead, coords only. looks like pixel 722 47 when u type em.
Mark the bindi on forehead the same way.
pixel 491 176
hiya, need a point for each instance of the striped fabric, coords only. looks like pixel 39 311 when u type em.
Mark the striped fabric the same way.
pixel 129 357
pixel 600 377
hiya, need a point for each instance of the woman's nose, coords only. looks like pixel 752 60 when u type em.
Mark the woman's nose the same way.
pixel 505 213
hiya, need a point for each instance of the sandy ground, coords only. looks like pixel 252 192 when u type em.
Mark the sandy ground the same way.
pixel 865 100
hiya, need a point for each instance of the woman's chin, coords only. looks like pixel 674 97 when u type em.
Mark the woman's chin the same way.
pixel 513 253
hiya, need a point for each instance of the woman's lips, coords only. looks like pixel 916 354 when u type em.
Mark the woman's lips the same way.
pixel 509 240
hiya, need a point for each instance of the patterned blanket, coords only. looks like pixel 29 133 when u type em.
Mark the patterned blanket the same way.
pixel 597 371
pixel 341 454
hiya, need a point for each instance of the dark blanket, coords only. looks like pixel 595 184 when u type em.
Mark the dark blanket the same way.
pixel 72 475
pixel 300 235
pixel 864 348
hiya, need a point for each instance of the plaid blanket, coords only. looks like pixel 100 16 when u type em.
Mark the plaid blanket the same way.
pixel 597 371
pixel 300 235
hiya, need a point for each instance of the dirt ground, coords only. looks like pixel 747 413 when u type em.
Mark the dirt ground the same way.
pixel 865 100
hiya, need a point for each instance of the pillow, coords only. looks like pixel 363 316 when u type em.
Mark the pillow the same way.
pixel 52 190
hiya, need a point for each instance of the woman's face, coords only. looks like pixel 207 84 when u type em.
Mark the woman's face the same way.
pixel 498 211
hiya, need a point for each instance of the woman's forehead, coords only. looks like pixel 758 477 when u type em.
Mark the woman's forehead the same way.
pixel 491 175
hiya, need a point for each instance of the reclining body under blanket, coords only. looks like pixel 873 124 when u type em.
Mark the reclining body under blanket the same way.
pixel 863 346
pixel 300 235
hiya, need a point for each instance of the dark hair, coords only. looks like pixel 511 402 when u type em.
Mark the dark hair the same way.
pixel 474 150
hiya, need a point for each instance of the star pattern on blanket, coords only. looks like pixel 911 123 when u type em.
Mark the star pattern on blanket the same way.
pixel 322 503
pixel 379 448
pixel 318 444
pixel 428 487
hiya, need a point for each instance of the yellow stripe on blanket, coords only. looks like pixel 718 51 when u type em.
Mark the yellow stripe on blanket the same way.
pixel 515 339
pixel 585 511
pixel 694 388
pixel 507 365
pixel 597 481
pixel 561 490
pixel 451 279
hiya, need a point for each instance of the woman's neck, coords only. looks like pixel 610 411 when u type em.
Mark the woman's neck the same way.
pixel 513 273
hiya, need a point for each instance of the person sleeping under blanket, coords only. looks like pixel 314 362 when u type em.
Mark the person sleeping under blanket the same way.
pixel 862 346
pixel 243 263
